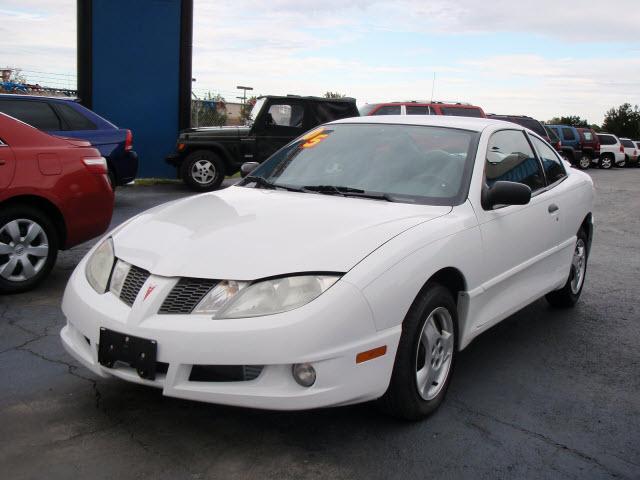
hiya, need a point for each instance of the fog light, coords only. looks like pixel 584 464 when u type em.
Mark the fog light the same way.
pixel 304 374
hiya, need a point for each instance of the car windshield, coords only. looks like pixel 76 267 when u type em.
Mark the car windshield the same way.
pixel 403 163
pixel 256 109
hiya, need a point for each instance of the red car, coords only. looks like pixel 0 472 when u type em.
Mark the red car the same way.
pixel 54 194
pixel 422 108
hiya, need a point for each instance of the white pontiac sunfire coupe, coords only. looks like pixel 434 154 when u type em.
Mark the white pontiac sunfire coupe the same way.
pixel 352 265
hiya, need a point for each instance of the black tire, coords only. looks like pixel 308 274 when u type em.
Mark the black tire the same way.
pixel 402 399
pixel 566 297
pixel 606 161
pixel 112 178
pixel 198 166
pixel 44 266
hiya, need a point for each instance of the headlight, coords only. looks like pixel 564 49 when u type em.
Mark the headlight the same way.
pixel 99 266
pixel 239 299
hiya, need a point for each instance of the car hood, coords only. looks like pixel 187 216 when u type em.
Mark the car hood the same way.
pixel 214 132
pixel 246 233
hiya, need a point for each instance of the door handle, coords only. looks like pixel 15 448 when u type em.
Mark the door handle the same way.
pixel 553 208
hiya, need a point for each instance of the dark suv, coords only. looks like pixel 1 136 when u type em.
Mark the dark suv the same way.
pixel 204 156
pixel 589 145
pixel 528 122
pixel 571 149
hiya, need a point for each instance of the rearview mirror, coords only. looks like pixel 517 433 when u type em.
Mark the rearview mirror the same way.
pixel 505 193
pixel 247 168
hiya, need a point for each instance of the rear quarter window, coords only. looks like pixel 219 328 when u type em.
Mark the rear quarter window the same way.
pixel 461 112
pixel 388 110
pixel 607 139
pixel 568 134
pixel 73 119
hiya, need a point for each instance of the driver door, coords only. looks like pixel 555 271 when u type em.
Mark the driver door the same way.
pixel 282 121
pixel 518 240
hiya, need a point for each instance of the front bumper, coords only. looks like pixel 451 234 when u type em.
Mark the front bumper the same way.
pixel 328 333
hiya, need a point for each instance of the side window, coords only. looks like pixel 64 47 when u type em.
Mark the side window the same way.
pixel 388 110
pixel 461 112
pixel 418 110
pixel 285 115
pixel 553 168
pixel 37 114
pixel 74 119
pixel 510 158
pixel 567 133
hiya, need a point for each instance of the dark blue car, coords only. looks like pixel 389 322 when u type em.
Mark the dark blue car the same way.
pixel 66 118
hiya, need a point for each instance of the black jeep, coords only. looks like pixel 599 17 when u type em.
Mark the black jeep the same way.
pixel 205 155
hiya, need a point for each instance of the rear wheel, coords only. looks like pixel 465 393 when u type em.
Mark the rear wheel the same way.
pixel 425 357
pixel 203 170
pixel 584 162
pixel 568 295
pixel 606 161
pixel 28 248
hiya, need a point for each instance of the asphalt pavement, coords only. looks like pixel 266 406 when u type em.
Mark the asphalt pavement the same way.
pixel 545 394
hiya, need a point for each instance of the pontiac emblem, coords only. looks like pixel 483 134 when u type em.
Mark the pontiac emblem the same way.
pixel 150 289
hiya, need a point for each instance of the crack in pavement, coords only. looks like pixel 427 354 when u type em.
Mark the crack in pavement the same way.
pixel 549 441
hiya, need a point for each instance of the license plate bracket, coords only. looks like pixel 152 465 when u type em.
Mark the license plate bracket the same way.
pixel 138 353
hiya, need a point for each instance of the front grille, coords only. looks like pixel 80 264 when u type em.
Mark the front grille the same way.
pixel 186 295
pixel 225 373
pixel 132 284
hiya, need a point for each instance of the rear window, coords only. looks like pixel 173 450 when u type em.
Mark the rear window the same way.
pixel 607 139
pixel 35 113
pixel 461 112
pixel 627 143
pixel 418 110
pixel 74 120
pixel 388 110
pixel 568 134
pixel 588 136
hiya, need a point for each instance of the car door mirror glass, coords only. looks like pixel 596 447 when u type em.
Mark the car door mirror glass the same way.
pixel 503 193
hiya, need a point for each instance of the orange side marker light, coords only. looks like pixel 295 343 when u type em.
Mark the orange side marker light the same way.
pixel 371 354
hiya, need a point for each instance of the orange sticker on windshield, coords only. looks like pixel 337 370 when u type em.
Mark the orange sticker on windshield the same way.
pixel 314 137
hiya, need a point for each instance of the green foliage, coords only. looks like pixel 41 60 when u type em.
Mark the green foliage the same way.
pixel 573 120
pixel 334 95
pixel 623 121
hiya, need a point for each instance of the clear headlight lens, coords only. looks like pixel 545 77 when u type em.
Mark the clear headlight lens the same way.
pixel 217 298
pixel 240 299
pixel 99 266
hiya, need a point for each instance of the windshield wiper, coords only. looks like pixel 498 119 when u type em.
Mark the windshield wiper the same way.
pixel 264 183
pixel 347 192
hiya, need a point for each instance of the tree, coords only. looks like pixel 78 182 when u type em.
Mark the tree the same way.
pixel 623 121
pixel 573 120
pixel 334 95
pixel 245 110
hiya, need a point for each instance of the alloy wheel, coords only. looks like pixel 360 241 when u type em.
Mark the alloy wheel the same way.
pixel 578 266
pixel 24 248
pixel 203 171
pixel 434 353
pixel 585 162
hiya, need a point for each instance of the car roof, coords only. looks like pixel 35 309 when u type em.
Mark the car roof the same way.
pixel 316 99
pixel 465 123
pixel 37 97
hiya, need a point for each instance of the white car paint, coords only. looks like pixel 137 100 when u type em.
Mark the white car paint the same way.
pixel 614 149
pixel 387 251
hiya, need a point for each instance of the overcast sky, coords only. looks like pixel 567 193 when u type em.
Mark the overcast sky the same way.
pixel 542 58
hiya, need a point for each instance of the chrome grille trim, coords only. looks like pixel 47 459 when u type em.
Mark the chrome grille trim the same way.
pixel 132 284
pixel 186 294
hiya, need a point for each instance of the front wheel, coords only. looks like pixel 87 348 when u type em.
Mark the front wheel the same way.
pixel 568 295
pixel 28 248
pixel 425 357
pixel 203 171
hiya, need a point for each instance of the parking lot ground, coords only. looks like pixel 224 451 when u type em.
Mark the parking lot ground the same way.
pixel 545 394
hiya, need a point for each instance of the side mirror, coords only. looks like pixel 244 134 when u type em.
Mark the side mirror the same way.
pixel 505 193
pixel 247 168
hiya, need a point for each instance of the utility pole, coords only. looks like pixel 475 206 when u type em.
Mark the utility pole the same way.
pixel 244 93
